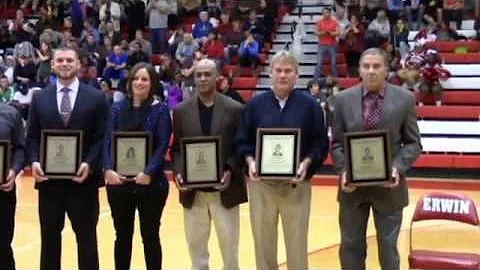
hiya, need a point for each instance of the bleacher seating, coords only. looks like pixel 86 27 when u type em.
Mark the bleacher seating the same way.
pixel 469 97
pixel 449 112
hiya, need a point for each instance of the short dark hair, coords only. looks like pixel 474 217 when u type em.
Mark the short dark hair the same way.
pixel 313 82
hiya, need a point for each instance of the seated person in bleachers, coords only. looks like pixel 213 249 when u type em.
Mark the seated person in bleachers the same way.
pixel 106 87
pixel 175 39
pixel 255 26
pixel 116 64
pixel 51 36
pixel 6 40
pixel 213 8
pixel 233 40
pixel 22 98
pixel 8 66
pixel 202 28
pixel 168 68
pixel 90 77
pixel 186 49
pixel 225 25
pixel 431 75
pixel 224 86
pixel 109 31
pixel 49 11
pixel 214 49
pixel 89 29
pixel 249 52
pixel 394 57
pixel 313 86
pixel 381 24
pixel 136 55
pixel 25 71
pixel 145 45
pixel 25 49
pixel 92 48
pixel 6 90
pixel 186 71
pixel 105 50
pixel 17 28
pixel 243 8
pixel 188 7
pixel 44 57
pixel 175 93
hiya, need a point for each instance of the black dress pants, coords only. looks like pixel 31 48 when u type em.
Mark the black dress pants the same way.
pixel 82 207
pixel 149 203
pixel 8 201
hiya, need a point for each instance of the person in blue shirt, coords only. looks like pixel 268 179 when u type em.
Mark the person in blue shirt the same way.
pixel 116 64
pixel 148 191
pixel 282 107
pixel 202 28
pixel 249 52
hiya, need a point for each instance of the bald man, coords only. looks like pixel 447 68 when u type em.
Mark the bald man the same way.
pixel 210 113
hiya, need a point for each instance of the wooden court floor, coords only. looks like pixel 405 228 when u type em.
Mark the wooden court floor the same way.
pixel 324 234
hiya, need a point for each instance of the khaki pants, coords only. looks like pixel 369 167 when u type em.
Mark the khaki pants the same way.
pixel 206 208
pixel 269 200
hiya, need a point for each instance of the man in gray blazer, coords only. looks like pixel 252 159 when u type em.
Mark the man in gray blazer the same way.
pixel 372 105
pixel 210 113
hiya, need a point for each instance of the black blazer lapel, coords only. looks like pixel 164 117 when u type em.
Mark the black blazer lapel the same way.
pixel 79 100
pixel 52 105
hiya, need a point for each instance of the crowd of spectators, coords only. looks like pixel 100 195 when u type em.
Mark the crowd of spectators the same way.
pixel 111 36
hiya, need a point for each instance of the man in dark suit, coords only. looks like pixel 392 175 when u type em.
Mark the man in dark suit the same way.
pixel 374 104
pixel 11 129
pixel 210 113
pixel 69 105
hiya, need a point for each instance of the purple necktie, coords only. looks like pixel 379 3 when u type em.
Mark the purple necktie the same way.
pixel 373 110
pixel 65 105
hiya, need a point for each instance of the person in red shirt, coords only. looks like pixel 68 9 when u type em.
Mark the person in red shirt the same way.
pixel 225 25
pixel 214 49
pixel 327 31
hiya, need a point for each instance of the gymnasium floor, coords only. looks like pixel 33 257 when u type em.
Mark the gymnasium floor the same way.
pixel 323 237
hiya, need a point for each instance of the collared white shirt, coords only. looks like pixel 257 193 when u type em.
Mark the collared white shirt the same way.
pixel 281 102
pixel 72 94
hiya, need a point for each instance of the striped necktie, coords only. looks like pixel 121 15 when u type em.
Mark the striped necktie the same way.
pixel 66 105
